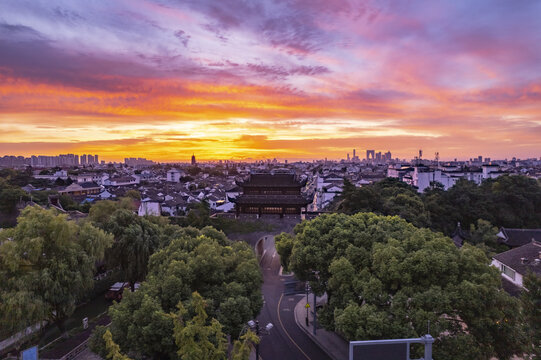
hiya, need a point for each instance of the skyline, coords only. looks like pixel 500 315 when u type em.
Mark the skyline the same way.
pixel 347 158
pixel 285 79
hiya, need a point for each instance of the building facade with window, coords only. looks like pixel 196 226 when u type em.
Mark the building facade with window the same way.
pixel 514 264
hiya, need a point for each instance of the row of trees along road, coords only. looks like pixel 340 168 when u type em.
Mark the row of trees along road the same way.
pixel 385 278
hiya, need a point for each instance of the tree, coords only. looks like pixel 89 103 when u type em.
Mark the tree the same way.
pixel 531 307
pixel 49 263
pixel 198 338
pixel 386 278
pixel 113 350
pixel 9 197
pixel 225 274
pixel 284 245
pixel 243 347
pixel 484 235
pixel 199 214
pixel 101 212
pixel 136 238
pixel 133 194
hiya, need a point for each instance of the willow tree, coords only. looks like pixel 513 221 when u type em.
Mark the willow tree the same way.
pixel 47 265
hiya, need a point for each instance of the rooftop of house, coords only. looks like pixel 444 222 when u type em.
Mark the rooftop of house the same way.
pixel 519 237
pixel 523 259
pixel 271 180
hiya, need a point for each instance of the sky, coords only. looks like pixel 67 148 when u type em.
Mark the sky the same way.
pixel 291 79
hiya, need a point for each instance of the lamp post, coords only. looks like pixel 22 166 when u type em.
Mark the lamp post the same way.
pixel 307 304
pixel 254 325
pixel 316 275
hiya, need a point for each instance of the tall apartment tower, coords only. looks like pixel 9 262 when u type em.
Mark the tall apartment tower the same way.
pixel 353 154
pixel 193 160
pixel 370 154
pixel 96 159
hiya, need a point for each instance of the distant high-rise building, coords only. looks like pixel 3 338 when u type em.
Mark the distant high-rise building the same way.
pixel 480 158
pixel 193 160
pixel 96 159
pixel 83 159
pixel 90 159
pixel 354 154
pixel 388 156
pixel 370 154
pixel 378 156
pixel 348 157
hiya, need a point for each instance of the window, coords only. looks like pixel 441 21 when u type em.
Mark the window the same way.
pixel 508 271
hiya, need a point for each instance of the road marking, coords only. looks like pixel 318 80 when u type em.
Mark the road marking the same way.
pixel 262 256
pixel 283 328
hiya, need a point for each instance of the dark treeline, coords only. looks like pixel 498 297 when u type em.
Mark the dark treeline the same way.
pixel 508 201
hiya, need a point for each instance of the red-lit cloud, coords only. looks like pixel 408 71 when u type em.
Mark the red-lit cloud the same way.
pixel 293 79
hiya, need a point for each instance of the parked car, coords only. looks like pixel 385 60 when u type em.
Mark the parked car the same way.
pixel 115 291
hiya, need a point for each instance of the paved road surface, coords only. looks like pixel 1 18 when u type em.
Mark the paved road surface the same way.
pixel 286 341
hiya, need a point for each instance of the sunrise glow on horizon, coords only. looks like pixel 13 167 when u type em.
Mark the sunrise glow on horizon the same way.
pixel 291 79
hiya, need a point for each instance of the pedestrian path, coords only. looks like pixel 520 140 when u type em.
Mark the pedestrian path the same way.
pixel 336 347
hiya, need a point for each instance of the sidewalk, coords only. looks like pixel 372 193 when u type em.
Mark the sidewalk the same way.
pixel 336 347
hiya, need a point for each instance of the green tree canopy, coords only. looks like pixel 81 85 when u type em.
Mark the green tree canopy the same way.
pixel 531 306
pixel 512 201
pixel 198 338
pixel 46 266
pixel 136 238
pixel 224 273
pixel 386 278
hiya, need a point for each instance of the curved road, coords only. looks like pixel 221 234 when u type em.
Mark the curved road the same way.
pixel 286 340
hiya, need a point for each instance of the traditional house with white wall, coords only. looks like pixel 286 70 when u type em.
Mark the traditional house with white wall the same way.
pixel 150 208
pixel 174 175
pixel 514 264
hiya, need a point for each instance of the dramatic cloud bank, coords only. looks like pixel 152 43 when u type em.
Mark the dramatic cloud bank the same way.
pixel 296 79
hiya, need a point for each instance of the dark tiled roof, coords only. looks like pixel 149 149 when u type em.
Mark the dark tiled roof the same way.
pixel 123 179
pixel 459 236
pixel 271 200
pixel 519 237
pixel 523 259
pixel 89 185
pixel 271 180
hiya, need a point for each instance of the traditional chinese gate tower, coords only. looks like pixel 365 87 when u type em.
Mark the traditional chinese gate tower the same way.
pixel 278 194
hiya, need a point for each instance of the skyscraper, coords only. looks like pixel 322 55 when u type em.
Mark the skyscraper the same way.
pixel 193 160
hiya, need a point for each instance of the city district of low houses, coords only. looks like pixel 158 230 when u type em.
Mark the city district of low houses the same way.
pixel 169 190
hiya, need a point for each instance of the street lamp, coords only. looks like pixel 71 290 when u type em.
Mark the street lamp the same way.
pixel 316 275
pixel 254 325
